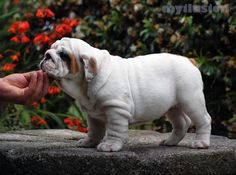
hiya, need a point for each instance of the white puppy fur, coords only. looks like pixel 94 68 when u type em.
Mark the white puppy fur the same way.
pixel 115 92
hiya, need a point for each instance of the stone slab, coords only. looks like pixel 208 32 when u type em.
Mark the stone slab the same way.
pixel 42 152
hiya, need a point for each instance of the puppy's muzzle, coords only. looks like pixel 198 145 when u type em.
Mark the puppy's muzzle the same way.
pixel 48 61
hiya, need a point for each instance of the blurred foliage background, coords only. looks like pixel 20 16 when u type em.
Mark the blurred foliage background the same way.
pixel 125 28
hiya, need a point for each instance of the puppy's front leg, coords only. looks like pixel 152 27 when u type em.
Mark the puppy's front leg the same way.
pixel 116 130
pixel 95 133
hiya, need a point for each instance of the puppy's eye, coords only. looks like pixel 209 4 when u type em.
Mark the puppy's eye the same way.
pixel 81 60
pixel 65 57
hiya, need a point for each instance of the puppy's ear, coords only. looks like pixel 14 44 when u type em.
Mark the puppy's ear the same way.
pixel 73 65
pixel 90 67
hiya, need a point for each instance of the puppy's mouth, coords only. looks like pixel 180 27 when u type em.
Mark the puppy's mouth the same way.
pixel 47 65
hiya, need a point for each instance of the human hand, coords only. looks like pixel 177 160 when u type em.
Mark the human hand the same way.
pixel 24 88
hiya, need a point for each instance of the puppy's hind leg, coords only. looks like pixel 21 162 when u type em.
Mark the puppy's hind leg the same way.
pixel 180 123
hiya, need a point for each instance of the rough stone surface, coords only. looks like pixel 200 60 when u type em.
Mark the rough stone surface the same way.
pixel 54 152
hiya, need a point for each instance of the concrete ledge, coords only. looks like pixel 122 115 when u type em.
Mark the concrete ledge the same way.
pixel 42 152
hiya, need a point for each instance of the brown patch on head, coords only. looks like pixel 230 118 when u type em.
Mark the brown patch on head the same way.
pixel 93 65
pixel 192 60
pixel 73 65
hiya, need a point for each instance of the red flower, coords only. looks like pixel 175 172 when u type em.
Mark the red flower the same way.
pixel 41 122
pixel 25 39
pixel 40 14
pixel 72 121
pixel 82 129
pixel 62 29
pixel 16 2
pixel 43 100
pixel 23 27
pixel 34 119
pixel 15 39
pixel 8 67
pixel 15 57
pixel 54 90
pixel 19 26
pixel 35 104
pixel 13 27
pixel 44 12
pixel 53 37
pixel 38 38
pixel 68 122
pixel 28 15
pixel 41 39
pixel 71 22
pixel 38 121
pixel 76 122
pixel 74 22
pixel 50 14
pixel 22 39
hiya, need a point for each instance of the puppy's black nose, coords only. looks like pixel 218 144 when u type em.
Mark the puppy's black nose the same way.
pixel 48 56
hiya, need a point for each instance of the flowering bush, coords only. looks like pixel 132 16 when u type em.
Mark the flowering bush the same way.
pixel 31 29
pixel 126 28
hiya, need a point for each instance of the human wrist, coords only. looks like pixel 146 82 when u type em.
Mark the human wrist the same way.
pixel 3 102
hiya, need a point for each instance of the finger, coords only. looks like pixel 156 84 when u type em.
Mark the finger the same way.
pixel 32 84
pixel 39 86
pixel 29 91
pixel 45 83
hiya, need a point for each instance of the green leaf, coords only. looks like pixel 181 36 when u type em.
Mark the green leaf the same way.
pixel 53 116
pixel 24 117
pixel 233 119
pixel 3 17
pixel 73 111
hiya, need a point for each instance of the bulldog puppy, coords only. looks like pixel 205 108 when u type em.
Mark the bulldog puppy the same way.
pixel 115 92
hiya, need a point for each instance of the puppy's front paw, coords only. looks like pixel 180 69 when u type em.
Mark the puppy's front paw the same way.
pixel 200 144
pixel 110 146
pixel 87 143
